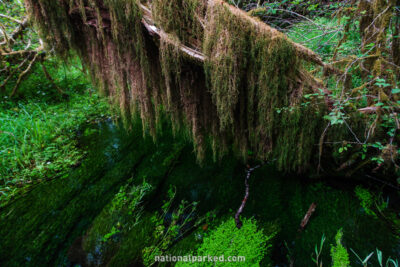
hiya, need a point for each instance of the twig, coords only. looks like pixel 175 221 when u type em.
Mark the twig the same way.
pixel 246 196
pixel 4 83
pixel 23 74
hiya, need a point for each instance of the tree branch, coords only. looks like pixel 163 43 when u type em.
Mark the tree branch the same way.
pixel 23 74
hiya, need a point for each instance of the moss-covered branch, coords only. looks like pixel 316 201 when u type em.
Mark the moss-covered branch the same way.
pixel 220 76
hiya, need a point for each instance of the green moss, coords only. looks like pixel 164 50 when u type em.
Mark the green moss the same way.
pixel 130 250
pixel 183 18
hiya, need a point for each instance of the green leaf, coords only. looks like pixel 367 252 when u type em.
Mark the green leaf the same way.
pixel 395 91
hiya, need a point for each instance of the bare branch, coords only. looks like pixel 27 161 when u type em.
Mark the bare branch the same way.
pixel 23 74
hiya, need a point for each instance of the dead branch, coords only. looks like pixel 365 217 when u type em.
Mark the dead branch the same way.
pixel 4 83
pixel 23 74
pixel 246 196
pixel 307 217
pixel 148 23
pixel 14 35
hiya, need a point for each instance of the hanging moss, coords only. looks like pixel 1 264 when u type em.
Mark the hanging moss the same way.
pixel 184 18
pixel 253 71
pixel 230 102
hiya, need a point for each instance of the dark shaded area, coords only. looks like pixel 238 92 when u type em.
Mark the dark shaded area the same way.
pixel 39 228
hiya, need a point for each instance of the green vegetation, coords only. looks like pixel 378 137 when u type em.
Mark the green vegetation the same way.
pixel 38 138
pixel 179 221
pixel 339 254
pixel 147 159
pixel 367 200
pixel 249 241
pixel 119 217
pixel 239 102
pixel 235 96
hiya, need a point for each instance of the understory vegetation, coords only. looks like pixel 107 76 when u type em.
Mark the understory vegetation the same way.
pixel 38 132
pixel 127 129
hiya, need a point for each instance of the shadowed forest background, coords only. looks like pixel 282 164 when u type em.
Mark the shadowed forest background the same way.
pixel 131 129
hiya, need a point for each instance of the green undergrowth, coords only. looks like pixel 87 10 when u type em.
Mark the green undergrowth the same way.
pixel 247 246
pixel 118 234
pixel 38 137
pixel 39 228
pixel 120 216
pixel 319 34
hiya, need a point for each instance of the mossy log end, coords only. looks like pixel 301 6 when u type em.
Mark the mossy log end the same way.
pixel 221 77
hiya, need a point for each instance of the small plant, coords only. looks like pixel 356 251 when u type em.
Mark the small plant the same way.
pixel 395 263
pixel 389 262
pixel 339 254
pixel 318 252
pixel 370 202
pixel 366 200
pixel 170 225
pixel 126 208
pixel 248 241
pixel 364 262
